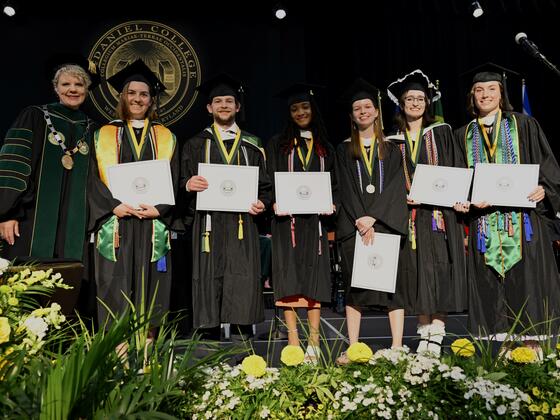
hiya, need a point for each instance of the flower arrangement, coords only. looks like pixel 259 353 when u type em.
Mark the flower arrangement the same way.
pixel 23 324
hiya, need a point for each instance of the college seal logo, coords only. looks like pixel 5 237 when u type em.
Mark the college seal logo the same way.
pixel 168 54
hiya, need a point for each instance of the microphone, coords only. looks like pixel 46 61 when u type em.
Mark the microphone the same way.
pixel 528 46
pixel 531 49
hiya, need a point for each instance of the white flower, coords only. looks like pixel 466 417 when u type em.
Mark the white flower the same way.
pixel 501 410
pixel 265 412
pixel 36 326
pixel 4 264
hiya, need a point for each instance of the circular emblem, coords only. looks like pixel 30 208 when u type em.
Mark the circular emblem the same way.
pixel 504 183
pixel 227 187
pixel 303 192
pixel 375 261
pixel 439 185
pixel 83 147
pixel 168 54
pixel 140 185
pixel 53 140
pixel 370 189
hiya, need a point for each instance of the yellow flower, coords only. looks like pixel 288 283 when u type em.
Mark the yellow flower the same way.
pixel 558 346
pixel 292 355
pixel 545 408
pixel 359 352
pixel 254 365
pixel 4 330
pixel 536 391
pixel 463 347
pixel 555 412
pixel 523 355
pixel 5 289
pixel 13 301
pixel 534 408
pixel 539 418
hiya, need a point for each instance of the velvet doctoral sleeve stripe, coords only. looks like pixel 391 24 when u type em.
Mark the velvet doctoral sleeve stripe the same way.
pixel 21 143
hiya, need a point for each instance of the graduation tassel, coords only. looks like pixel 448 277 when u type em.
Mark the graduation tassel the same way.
pixel 528 227
pixel 206 234
pixel 116 238
pixel 293 231
pixel 412 229
pixel 379 103
pixel 240 230
pixel 320 236
pixel 206 242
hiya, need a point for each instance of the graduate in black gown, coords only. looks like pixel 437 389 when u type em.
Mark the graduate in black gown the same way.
pixel 44 164
pixel 132 247
pixel 373 197
pixel 510 265
pixel 226 276
pixel 432 263
pixel 300 247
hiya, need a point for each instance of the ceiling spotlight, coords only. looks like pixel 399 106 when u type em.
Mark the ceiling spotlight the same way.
pixel 476 9
pixel 280 12
pixel 9 10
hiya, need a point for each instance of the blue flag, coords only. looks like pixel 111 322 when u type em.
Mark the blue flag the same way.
pixel 525 100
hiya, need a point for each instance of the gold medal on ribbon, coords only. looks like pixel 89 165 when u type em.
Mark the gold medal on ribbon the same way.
pixel 370 188
pixel 83 148
pixel 67 161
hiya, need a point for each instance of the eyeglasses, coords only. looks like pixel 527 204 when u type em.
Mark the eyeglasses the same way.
pixel 412 99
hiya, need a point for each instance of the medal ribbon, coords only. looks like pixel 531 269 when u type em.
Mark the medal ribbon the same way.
pixel 309 157
pixel 226 157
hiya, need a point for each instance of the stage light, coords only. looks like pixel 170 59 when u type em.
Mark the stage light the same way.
pixel 280 11
pixel 476 9
pixel 9 9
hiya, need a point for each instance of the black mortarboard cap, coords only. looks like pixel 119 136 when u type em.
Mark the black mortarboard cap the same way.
pixel 138 71
pixel 489 72
pixel 298 92
pixel 57 61
pixel 415 80
pixel 361 89
pixel 221 85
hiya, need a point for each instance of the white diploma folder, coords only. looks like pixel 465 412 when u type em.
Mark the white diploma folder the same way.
pixel 230 187
pixel 144 182
pixel 303 192
pixel 505 184
pixel 440 185
pixel 375 266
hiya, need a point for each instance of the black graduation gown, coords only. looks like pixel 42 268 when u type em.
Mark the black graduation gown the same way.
pixel 301 270
pixel 435 272
pixel 21 163
pixel 388 207
pixel 133 267
pixel 226 282
pixel 494 300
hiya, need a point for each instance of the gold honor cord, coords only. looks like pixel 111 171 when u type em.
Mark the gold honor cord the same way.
pixel 138 144
pixel 227 157
pixel 491 146
pixel 414 148
pixel 309 155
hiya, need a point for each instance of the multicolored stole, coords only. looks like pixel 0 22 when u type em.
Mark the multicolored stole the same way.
pixel 438 222
pixel 498 233
pixel 107 142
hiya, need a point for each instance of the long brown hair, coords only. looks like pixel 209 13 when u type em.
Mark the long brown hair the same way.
pixel 123 113
pixel 355 147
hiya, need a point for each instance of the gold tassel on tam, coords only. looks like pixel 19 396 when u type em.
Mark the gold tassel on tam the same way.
pixel 240 231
